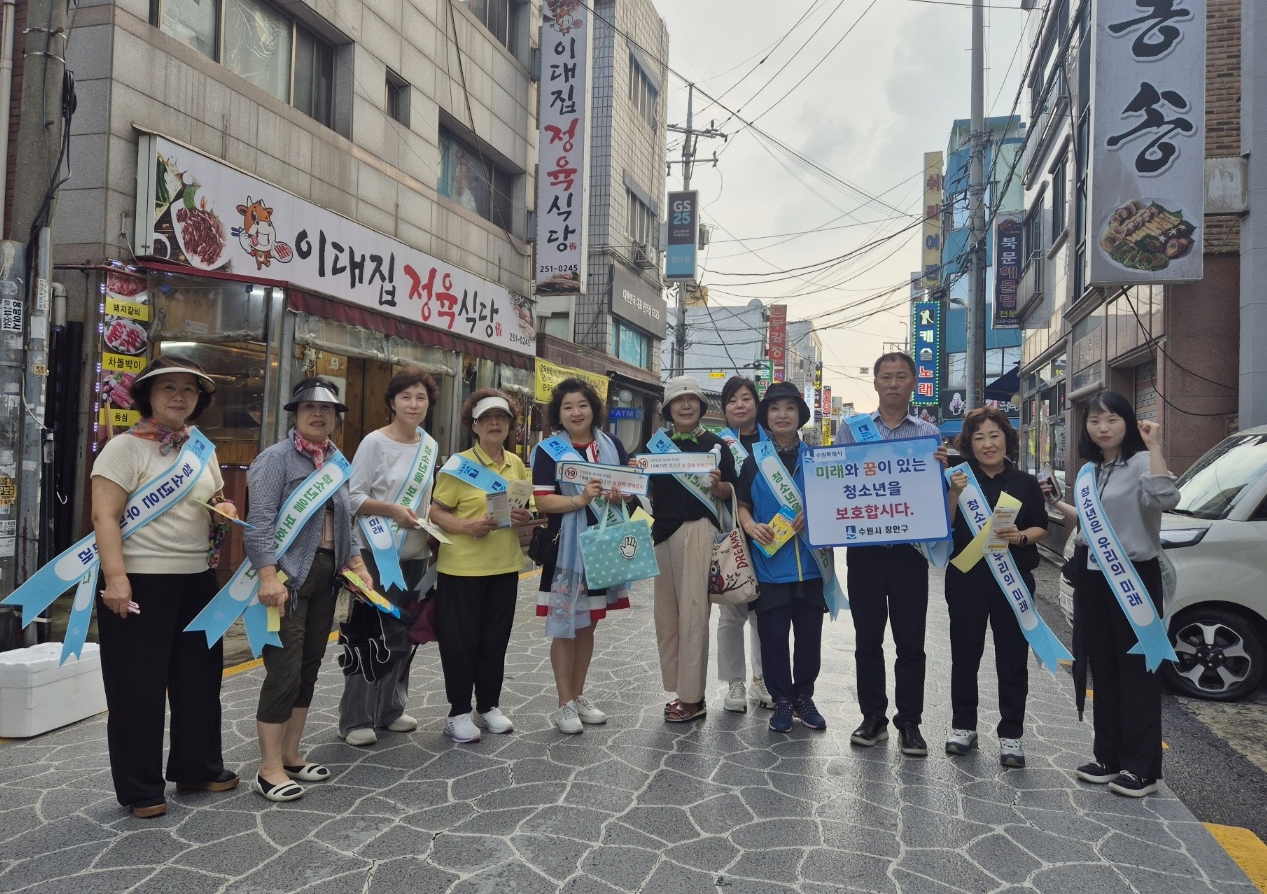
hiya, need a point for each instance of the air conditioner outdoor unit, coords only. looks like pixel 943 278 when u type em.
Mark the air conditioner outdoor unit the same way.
pixel 645 257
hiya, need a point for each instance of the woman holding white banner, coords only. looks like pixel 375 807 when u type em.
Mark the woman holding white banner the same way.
pixel 686 511
pixel 973 595
pixel 393 475
pixel 478 572
pixel 156 582
pixel 305 598
pixel 1127 485
pixel 571 610
pixel 739 403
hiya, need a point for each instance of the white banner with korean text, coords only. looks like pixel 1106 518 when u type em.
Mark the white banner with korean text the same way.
pixel 561 173
pixel 875 493
pixel 202 213
pixel 1147 142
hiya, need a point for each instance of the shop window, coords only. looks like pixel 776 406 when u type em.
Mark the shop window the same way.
pixel 470 178
pixel 642 93
pixel 397 97
pixel 235 418
pixel 500 17
pixel 261 44
pixel 629 344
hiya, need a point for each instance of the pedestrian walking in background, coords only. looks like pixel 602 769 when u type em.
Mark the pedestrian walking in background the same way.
pixel 305 600
pixel 739 403
pixel 974 598
pixel 791 599
pixel 572 610
pixel 889 585
pixel 478 572
pixel 393 474
pixel 156 582
pixel 686 511
pixel 1134 487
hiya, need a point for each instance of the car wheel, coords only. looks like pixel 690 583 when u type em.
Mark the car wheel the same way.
pixel 1221 654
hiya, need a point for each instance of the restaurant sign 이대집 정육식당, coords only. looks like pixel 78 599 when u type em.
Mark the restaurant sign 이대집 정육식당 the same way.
pixel 1147 189
pixel 202 213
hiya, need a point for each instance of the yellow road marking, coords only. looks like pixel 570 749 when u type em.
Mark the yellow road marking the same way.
pixel 1246 848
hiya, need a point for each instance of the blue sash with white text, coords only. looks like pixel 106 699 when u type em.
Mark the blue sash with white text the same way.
pixel 240 596
pixel 731 439
pixel 937 552
pixel 696 485
pixel 383 535
pixel 784 488
pixel 976 513
pixel 80 564
pixel 463 468
pixel 1128 587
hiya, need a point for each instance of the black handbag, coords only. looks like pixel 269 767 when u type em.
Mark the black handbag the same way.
pixel 543 548
pixel 1072 569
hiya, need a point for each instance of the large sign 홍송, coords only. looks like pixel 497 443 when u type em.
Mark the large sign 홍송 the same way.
pixel 874 493
pixel 201 213
pixel 1147 142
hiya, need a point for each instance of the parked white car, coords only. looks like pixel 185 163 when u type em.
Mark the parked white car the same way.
pixel 1217 539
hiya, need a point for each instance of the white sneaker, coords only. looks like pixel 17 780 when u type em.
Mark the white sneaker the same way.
pixel 763 696
pixel 736 698
pixel 461 729
pixel 494 721
pixel 361 736
pixel 587 712
pixel 1011 754
pixel 403 724
pixel 961 741
pixel 566 719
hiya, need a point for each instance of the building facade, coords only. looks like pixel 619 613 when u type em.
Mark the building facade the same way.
pixel 1171 349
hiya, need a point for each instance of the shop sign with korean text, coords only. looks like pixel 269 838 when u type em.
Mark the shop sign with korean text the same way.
pixel 561 139
pixel 776 340
pixel 1007 270
pixel 550 374
pixel 926 335
pixel 1147 142
pixel 199 212
pixel 875 493
pixel 932 235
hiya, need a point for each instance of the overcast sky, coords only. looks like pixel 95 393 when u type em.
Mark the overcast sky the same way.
pixel 881 98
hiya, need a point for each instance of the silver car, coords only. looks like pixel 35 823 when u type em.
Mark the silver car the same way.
pixel 1217 539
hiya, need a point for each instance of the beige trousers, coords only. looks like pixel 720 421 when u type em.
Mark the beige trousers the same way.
pixel 682 608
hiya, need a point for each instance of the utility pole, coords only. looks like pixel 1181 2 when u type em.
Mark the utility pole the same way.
pixel 689 140
pixel 976 210
pixel 23 438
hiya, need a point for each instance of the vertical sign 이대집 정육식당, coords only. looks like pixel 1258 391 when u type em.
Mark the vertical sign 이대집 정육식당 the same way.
pixel 932 220
pixel 1007 270
pixel 561 177
pixel 1147 142
pixel 926 329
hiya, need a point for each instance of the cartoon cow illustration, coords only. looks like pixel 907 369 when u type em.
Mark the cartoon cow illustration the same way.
pixel 258 236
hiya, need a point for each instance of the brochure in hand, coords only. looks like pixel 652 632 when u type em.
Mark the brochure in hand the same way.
pixel 781 525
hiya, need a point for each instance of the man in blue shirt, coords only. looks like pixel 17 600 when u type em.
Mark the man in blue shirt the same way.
pixel 889 584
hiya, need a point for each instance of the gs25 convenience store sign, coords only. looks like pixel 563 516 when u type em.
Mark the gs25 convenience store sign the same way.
pixel 199 212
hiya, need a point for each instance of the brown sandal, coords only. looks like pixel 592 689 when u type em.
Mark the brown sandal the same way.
pixel 678 711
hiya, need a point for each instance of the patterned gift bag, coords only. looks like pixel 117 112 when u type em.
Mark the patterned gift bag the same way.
pixel 618 553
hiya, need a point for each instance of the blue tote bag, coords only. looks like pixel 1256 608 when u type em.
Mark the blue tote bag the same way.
pixel 617 553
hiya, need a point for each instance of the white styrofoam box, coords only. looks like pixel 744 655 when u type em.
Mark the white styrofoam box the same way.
pixel 36 695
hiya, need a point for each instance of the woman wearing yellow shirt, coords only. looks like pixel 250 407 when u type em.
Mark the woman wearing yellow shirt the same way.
pixel 478 573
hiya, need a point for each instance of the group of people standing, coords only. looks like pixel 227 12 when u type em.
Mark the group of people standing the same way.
pixel 303 541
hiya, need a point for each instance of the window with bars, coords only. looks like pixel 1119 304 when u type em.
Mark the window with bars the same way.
pixel 261 44
pixel 1032 234
pixel 469 177
pixel 640 221
pixel 642 93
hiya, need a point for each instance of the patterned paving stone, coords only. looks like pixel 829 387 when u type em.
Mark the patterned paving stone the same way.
pixel 721 806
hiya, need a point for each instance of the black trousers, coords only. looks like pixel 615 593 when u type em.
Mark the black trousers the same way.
pixel 973 600
pixel 474 616
pixel 291 670
pixel 148 661
pixel 889 585
pixel 791 674
pixel 1126 705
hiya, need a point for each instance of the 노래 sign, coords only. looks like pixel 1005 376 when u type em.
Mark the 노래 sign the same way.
pixel 1147 173
pixel 926 336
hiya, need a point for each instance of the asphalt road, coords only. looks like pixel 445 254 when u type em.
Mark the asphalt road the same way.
pixel 1216 755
